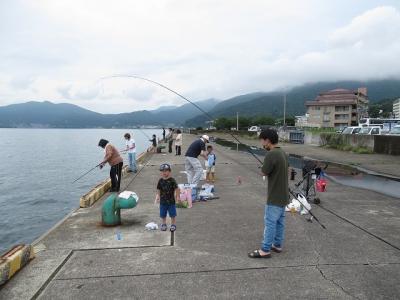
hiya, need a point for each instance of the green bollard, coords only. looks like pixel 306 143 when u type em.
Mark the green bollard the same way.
pixel 111 210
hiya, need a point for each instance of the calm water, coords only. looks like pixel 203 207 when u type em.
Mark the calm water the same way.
pixel 37 169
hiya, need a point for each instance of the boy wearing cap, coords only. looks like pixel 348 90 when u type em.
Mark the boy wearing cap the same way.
pixel 167 192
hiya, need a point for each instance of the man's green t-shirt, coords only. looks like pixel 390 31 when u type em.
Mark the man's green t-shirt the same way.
pixel 276 168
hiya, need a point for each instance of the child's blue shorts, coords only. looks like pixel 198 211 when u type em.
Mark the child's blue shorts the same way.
pixel 170 208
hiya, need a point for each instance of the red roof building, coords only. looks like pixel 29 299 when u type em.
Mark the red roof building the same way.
pixel 337 108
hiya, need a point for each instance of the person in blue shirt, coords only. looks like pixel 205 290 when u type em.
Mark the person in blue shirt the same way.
pixel 210 170
pixel 193 168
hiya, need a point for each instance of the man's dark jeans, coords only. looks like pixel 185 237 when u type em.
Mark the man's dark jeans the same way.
pixel 115 175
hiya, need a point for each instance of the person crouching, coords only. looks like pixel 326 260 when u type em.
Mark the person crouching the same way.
pixel 114 159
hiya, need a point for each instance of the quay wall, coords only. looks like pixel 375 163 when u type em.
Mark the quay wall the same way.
pixel 383 144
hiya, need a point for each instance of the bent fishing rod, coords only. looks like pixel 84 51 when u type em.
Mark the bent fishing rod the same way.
pixel 210 118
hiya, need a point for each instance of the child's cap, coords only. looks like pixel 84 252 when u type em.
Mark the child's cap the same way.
pixel 165 167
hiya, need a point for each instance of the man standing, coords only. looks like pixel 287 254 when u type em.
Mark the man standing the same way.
pixel 131 149
pixel 170 139
pixel 163 134
pixel 276 168
pixel 193 167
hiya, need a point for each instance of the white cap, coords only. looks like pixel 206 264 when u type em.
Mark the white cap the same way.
pixel 205 137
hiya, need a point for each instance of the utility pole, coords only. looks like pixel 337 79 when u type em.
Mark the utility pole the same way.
pixel 237 121
pixel 284 109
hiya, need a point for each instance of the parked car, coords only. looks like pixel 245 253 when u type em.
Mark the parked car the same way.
pixel 352 130
pixel 395 130
pixel 373 130
pixel 254 129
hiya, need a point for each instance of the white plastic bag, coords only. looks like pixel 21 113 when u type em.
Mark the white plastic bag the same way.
pixel 151 226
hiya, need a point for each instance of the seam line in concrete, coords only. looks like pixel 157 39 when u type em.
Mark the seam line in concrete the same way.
pixel 51 277
pixel 359 227
pixel 60 266
pixel 219 271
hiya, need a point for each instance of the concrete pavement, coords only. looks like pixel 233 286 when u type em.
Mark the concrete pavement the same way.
pixel 357 257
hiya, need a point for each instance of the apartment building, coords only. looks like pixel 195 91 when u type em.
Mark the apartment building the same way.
pixel 337 108
pixel 396 109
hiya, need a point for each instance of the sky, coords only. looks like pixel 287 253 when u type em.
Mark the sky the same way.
pixel 65 51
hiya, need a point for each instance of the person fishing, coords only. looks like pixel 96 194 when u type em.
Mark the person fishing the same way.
pixel 131 149
pixel 170 139
pixel 163 134
pixel 154 143
pixel 114 159
pixel 276 168
pixel 193 167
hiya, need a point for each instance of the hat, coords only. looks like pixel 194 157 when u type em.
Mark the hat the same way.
pixel 205 137
pixel 165 167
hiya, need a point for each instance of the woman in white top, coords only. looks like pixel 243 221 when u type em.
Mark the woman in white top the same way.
pixel 178 142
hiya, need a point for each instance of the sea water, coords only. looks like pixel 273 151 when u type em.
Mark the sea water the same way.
pixel 37 168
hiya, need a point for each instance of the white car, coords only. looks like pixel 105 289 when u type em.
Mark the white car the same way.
pixel 395 130
pixel 254 129
pixel 373 130
pixel 352 130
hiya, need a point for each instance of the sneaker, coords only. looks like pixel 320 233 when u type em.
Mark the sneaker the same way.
pixel 163 227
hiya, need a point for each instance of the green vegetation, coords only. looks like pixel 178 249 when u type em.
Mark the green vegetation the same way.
pixel 245 122
pixel 338 142
pixel 316 130
pixel 384 106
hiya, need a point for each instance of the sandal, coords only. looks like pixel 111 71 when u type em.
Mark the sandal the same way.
pixel 276 249
pixel 257 254
pixel 163 227
pixel 172 228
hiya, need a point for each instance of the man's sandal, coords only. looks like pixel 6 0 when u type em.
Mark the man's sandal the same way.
pixel 257 254
pixel 276 249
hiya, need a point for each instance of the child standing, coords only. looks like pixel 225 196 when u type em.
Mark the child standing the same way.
pixel 131 149
pixel 211 158
pixel 167 192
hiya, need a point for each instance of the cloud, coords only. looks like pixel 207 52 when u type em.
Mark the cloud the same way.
pixel 58 50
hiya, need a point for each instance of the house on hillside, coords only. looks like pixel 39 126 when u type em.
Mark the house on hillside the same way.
pixel 337 108
pixel 396 108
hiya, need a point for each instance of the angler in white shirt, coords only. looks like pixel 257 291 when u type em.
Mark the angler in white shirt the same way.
pixel 131 150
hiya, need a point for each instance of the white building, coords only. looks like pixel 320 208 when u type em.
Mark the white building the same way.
pixel 396 108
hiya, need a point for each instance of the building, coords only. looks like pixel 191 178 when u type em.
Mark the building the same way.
pixel 337 108
pixel 396 109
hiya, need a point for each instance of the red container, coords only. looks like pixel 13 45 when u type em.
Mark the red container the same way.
pixel 321 185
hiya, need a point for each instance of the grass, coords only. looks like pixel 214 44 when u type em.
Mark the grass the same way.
pixel 348 148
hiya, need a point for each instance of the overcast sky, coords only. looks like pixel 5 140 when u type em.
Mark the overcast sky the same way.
pixel 57 50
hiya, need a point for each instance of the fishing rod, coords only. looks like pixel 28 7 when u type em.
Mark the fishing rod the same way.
pixel 184 98
pixel 86 173
pixel 296 196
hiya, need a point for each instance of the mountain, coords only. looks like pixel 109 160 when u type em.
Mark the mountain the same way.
pixel 271 103
pixel 50 115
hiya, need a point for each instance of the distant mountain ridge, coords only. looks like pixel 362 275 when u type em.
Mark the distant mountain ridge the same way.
pixel 50 115
pixel 63 115
pixel 271 103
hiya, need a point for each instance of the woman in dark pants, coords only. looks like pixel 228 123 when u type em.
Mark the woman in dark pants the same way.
pixel 114 159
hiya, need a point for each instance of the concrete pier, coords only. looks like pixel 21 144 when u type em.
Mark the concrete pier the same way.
pixel 357 257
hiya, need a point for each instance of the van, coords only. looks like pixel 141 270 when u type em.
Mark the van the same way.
pixel 352 130
pixel 373 130
pixel 254 129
